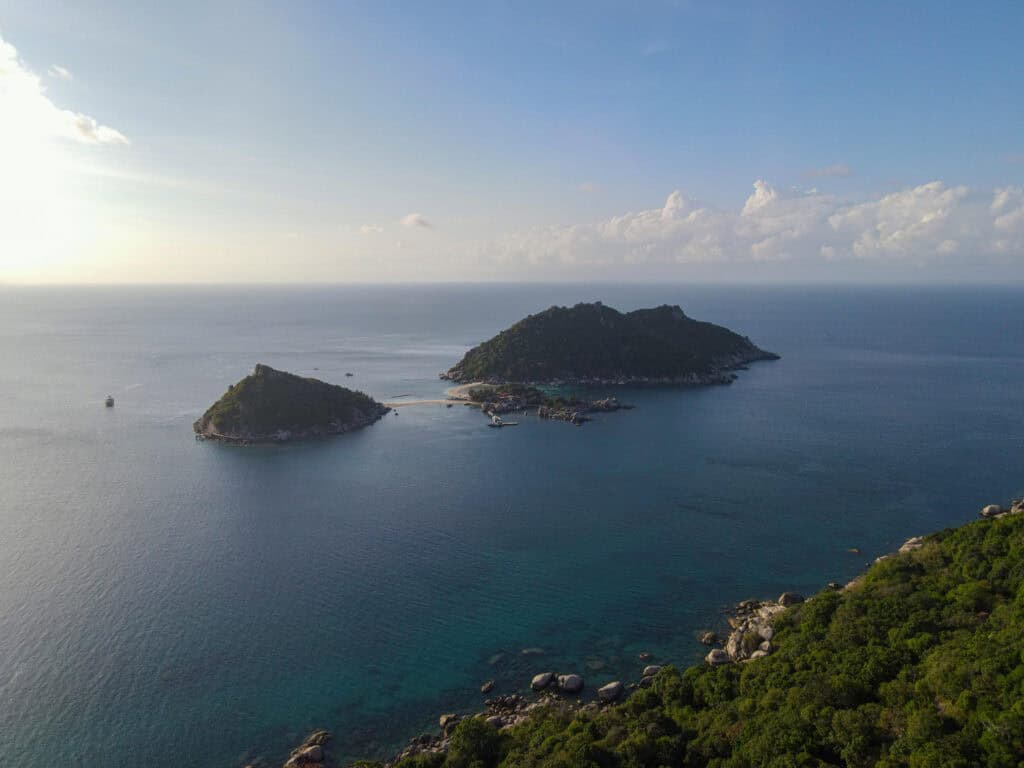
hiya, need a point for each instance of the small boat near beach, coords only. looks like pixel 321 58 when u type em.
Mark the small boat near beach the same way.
pixel 497 421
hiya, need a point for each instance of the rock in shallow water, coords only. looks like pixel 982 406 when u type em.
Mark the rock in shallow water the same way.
pixel 790 598
pixel 570 683
pixel 992 510
pixel 313 753
pixel 542 681
pixel 651 669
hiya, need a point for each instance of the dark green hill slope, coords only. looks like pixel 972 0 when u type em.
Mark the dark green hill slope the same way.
pixel 920 663
pixel 274 405
pixel 592 342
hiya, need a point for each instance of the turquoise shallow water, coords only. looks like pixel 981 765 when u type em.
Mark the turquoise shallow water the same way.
pixel 173 603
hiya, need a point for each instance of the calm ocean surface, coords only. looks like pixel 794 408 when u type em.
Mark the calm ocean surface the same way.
pixel 170 603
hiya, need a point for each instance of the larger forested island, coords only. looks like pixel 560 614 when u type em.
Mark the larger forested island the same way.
pixel 271 405
pixel 594 343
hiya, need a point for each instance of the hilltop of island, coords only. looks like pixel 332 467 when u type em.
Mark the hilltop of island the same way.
pixel 596 344
pixel 275 406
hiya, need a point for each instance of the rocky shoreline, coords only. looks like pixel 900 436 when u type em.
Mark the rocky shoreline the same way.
pixel 283 435
pixel 271 406
pixel 750 638
pixel 722 372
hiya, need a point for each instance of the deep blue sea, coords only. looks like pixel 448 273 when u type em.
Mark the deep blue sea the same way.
pixel 171 603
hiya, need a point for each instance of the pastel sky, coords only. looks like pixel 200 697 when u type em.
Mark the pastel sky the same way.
pixel 380 141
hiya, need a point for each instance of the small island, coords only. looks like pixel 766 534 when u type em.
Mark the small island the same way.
pixel 274 406
pixel 592 344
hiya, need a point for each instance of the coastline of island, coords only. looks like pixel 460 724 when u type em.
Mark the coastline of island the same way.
pixel 272 406
pixel 759 629
pixel 596 345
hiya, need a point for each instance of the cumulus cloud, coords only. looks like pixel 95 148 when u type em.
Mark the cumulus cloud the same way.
pixel 29 114
pixel 933 221
pixel 60 73
pixel 837 171
pixel 416 220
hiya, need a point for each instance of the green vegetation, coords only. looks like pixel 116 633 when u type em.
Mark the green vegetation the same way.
pixel 920 664
pixel 592 341
pixel 489 392
pixel 268 401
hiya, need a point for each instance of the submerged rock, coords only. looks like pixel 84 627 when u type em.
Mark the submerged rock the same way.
pixel 487 687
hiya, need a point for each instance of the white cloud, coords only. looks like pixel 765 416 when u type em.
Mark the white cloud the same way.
pixel 416 220
pixel 837 170
pixel 932 221
pixel 587 187
pixel 1008 205
pixel 29 115
pixel 60 73
pixel 370 229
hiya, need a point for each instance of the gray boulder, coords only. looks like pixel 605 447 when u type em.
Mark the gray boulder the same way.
pixel 448 722
pixel 313 753
pixel 914 542
pixel 542 681
pixel 610 692
pixel 651 669
pixel 570 683
pixel 790 598
pixel 716 657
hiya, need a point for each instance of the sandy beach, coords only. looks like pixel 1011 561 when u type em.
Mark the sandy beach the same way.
pixel 459 394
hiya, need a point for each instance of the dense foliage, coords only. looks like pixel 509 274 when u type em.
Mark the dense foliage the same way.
pixel 592 341
pixel 920 664
pixel 486 392
pixel 269 400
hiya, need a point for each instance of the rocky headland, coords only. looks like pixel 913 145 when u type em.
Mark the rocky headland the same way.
pixel 755 634
pixel 275 406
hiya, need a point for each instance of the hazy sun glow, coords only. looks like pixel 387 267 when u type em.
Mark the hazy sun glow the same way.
pixel 365 143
